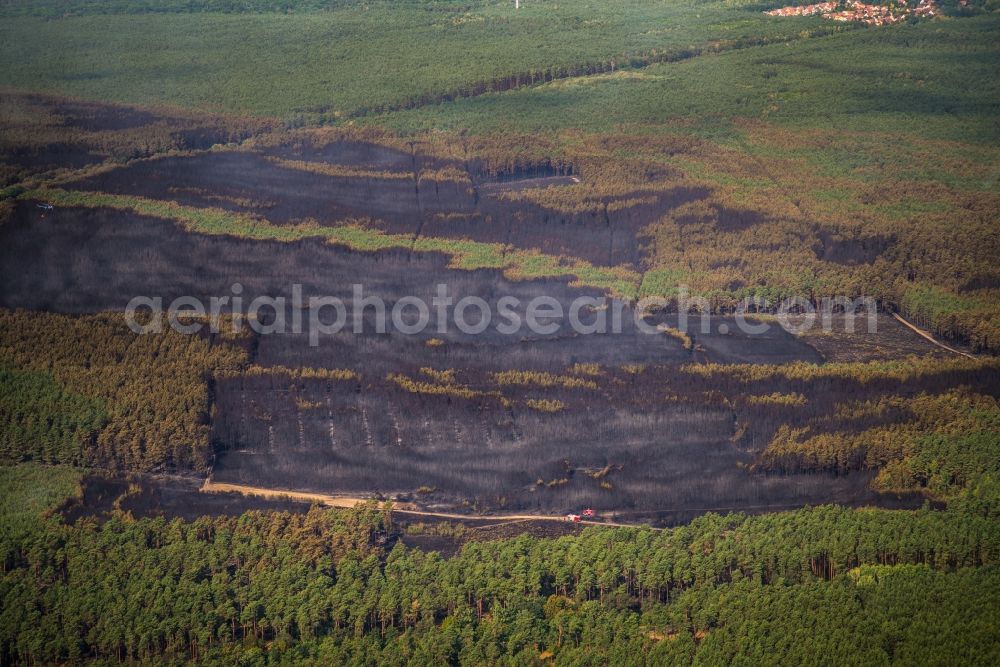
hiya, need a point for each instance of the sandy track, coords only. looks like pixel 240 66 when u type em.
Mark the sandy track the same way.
pixel 331 501
pixel 401 508
pixel 929 337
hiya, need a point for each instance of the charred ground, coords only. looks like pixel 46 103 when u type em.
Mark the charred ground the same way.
pixel 480 423
pixel 621 426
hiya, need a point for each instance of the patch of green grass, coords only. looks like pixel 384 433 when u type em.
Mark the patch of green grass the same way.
pixel 911 207
pixel 619 281
pixel 703 172
pixel 662 282
pixel 469 255
pixel 830 196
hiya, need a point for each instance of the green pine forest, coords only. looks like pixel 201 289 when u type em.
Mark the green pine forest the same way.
pixel 824 585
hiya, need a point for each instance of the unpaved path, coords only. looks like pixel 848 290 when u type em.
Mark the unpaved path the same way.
pixel 401 508
pixel 331 501
pixel 929 337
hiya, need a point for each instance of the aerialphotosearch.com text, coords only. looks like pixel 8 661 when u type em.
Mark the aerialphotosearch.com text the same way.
pixel 361 313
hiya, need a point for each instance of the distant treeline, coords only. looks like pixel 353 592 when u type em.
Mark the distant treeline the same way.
pixel 57 8
pixel 522 79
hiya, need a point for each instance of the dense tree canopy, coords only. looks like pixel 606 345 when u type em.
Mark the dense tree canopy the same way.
pixel 814 585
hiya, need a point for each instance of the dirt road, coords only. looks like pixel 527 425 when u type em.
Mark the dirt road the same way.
pixel 929 337
pixel 401 508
